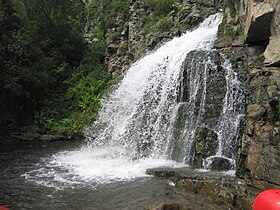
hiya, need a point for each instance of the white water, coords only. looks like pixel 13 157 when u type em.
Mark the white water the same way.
pixel 136 116
pixel 134 129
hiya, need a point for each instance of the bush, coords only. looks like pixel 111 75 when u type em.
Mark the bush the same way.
pixel 164 24
pixel 160 7
pixel 69 111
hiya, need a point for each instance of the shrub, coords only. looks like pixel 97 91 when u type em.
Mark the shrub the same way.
pixel 161 7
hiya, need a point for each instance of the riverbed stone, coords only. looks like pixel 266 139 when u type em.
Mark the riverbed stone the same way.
pixel 26 136
pixel 169 206
pixel 218 164
pixel 206 145
pixel 49 138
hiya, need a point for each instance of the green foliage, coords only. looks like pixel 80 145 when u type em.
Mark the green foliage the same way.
pixel 160 7
pixel 164 24
pixel 104 11
pixel 68 112
pixel 161 17
pixel 200 2
pixel 180 25
pixel 229 29
pixel 46 65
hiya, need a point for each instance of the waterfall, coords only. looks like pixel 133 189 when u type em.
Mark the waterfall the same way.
pixel 139 115
pixel 151 117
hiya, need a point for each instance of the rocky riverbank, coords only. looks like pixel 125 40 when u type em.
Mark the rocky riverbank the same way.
pixel 215 188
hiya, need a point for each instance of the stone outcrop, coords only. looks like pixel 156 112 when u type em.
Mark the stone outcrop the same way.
pixel 218 191
pixel 218 164
pixel 206 145
pixel 272 52
pixel 29 133
pixel 258 155
pixel 129 39
pixel 259 17
pixel 200 110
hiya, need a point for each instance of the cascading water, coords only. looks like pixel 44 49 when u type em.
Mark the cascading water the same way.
pixel 138 123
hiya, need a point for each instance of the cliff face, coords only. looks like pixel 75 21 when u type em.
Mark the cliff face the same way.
pixel 250 36
pixel 142 29
pixel 259 152
pixel 258 61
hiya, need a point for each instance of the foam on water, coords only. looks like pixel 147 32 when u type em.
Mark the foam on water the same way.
pixel 102 165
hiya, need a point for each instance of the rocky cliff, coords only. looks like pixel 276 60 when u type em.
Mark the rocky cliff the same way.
pixel 250 36
pixel 142 29
pixel 255 53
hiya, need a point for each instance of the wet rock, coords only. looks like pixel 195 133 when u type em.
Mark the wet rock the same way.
pixel 26 133
pixel 272 52
pixel 48 137
pixel 214 191
pixel 255 111
pixel 166 173
pixel 218 164
pixel 26 136
pixel 169 206
pixel 258 21
pixel 206 145
pixel 215 85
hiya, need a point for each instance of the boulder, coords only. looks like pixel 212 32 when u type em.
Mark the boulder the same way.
pixel 272 52
pixel 258 23
pixel 218 164
pixel 48 137
pixel 206 145
pixel 169 206
pixel 273 91
pixel 26 136
pixel 255 111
